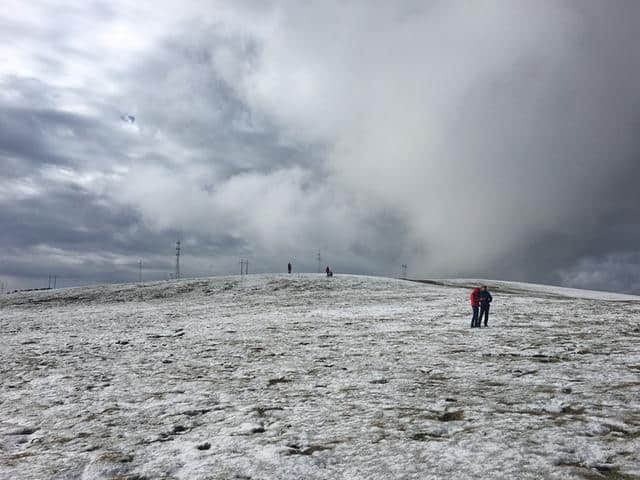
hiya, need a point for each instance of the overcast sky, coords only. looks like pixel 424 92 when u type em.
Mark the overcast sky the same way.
pixel 491 139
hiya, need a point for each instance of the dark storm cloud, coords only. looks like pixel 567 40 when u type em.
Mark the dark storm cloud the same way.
pixel 27 135
pixel 87 229
pixel 616 272
pixel 34 131
pixel 509 142
pixel 561 145
pixel 67 216
pixel 77 235
pixel 563 140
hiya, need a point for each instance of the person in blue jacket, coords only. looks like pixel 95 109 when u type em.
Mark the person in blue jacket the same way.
pixel 485 300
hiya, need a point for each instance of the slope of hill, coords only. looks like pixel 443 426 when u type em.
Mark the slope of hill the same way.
pixel 501 286
pixel 303 376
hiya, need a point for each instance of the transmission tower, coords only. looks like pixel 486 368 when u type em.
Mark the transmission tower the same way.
pixel 244 267
pixel 404 270
pixel 140 271
pixel 319 262
pixel 178 259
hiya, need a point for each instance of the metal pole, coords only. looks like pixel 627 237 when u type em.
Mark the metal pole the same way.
pixel 178 259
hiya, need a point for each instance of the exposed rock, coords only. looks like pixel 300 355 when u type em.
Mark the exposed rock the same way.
pixel 452 416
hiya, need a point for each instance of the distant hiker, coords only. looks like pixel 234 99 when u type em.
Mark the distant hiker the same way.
pixel 289 267
pixel 475 305
pixel 329 272
pixel 485 300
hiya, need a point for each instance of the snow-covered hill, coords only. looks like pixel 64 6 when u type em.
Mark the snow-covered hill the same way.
pixel 303 376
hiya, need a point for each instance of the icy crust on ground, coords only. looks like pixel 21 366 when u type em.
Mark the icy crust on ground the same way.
pixel 303 376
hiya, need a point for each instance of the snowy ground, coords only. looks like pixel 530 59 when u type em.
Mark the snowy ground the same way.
pixel 308 377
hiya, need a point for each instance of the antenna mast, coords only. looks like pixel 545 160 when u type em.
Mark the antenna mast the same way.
pixel 244 267
pixel 178 259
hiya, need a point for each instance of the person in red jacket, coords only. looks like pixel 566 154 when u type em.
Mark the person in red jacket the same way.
pixel 475 305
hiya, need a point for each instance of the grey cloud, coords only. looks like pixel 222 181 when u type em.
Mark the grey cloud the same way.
pixel 489 140
pixel 65 216
pixel 178 90
pixel 613 272
pixel 83 237
pixel 514 168
pixel 23 142
pixel 35 132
